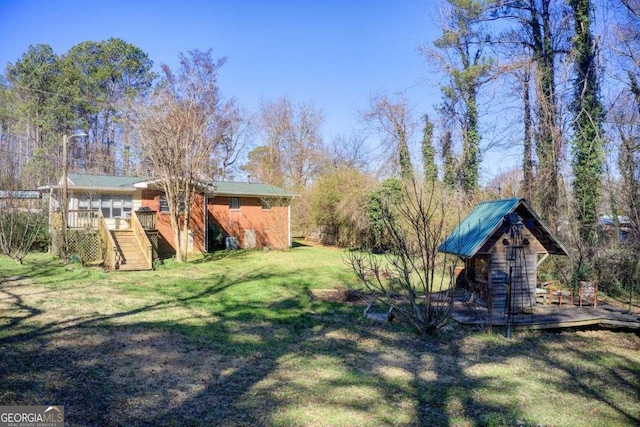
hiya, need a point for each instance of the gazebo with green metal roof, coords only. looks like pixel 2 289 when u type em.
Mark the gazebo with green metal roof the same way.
pixel 502 243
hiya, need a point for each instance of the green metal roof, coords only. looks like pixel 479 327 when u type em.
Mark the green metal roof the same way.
pixel 227 188
pixel 231 188
pixel 20 194
pixel 104 181
pixel 487 218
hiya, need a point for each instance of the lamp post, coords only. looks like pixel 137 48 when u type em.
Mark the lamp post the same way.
pixel 65 189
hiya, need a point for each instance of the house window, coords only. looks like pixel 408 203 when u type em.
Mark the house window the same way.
pixel 89 203
pixel 164 204
pixel 234 203
pixel 117 206
pixel 111 206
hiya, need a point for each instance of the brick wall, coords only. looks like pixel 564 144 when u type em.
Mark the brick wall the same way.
pixel 166 244
pixel 251 222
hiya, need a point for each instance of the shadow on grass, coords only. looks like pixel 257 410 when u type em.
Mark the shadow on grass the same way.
pixel 299 244
pixel 289 360
pixel 46 269
pixel 591 379
pixel 222 255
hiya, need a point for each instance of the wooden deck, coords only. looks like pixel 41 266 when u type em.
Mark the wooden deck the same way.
pixel 550 317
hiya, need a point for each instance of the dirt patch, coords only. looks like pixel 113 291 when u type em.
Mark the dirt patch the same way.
pixel 121 376
pixel 345 295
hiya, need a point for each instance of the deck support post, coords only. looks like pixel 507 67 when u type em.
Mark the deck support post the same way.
pixel 509 317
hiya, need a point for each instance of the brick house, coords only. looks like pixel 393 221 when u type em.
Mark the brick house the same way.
pixel 120 214
pixel 235 215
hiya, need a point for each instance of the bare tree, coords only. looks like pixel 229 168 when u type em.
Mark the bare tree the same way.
pixel 536 34
pixel 506 184
pixel 623 264
pixel 350 151
pixel 235 129
pixel 392 119
pixel 624 114
pixel 294 147
pixel 260 166
pixel 178 132
pixel 412 277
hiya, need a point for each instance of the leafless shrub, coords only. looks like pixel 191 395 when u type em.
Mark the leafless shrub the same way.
pixel 411 276
pixel 20 226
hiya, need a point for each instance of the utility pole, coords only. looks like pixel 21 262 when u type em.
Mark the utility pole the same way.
pixel 65 196
pixel 65 191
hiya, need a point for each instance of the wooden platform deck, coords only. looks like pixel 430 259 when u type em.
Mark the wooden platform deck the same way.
pixel 550 317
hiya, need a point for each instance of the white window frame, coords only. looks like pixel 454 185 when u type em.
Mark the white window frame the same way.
pixel 108 203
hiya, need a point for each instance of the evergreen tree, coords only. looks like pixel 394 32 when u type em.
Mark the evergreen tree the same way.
pixel 428 152
pixel 42 111
pixel 102 76
pixel 459 52
pixel 587 149
pixel 449 178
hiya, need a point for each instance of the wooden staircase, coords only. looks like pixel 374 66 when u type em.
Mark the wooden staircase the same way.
pixel 130 254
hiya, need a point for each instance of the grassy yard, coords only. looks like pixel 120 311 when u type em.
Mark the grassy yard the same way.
pixel 265 338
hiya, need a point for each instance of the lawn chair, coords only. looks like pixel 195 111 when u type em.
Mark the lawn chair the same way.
pixel 542 296
pixel 588 291
pixel 557 293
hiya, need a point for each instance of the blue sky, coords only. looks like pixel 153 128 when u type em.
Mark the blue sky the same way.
pixel 333 53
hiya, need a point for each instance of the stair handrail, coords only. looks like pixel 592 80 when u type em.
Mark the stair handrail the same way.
pixel 142 238
pixel 107 244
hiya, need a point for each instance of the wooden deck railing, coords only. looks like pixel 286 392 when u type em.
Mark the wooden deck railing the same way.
pixel 141 237
pixel 87 219
pixel 107 245
pixel 147 219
